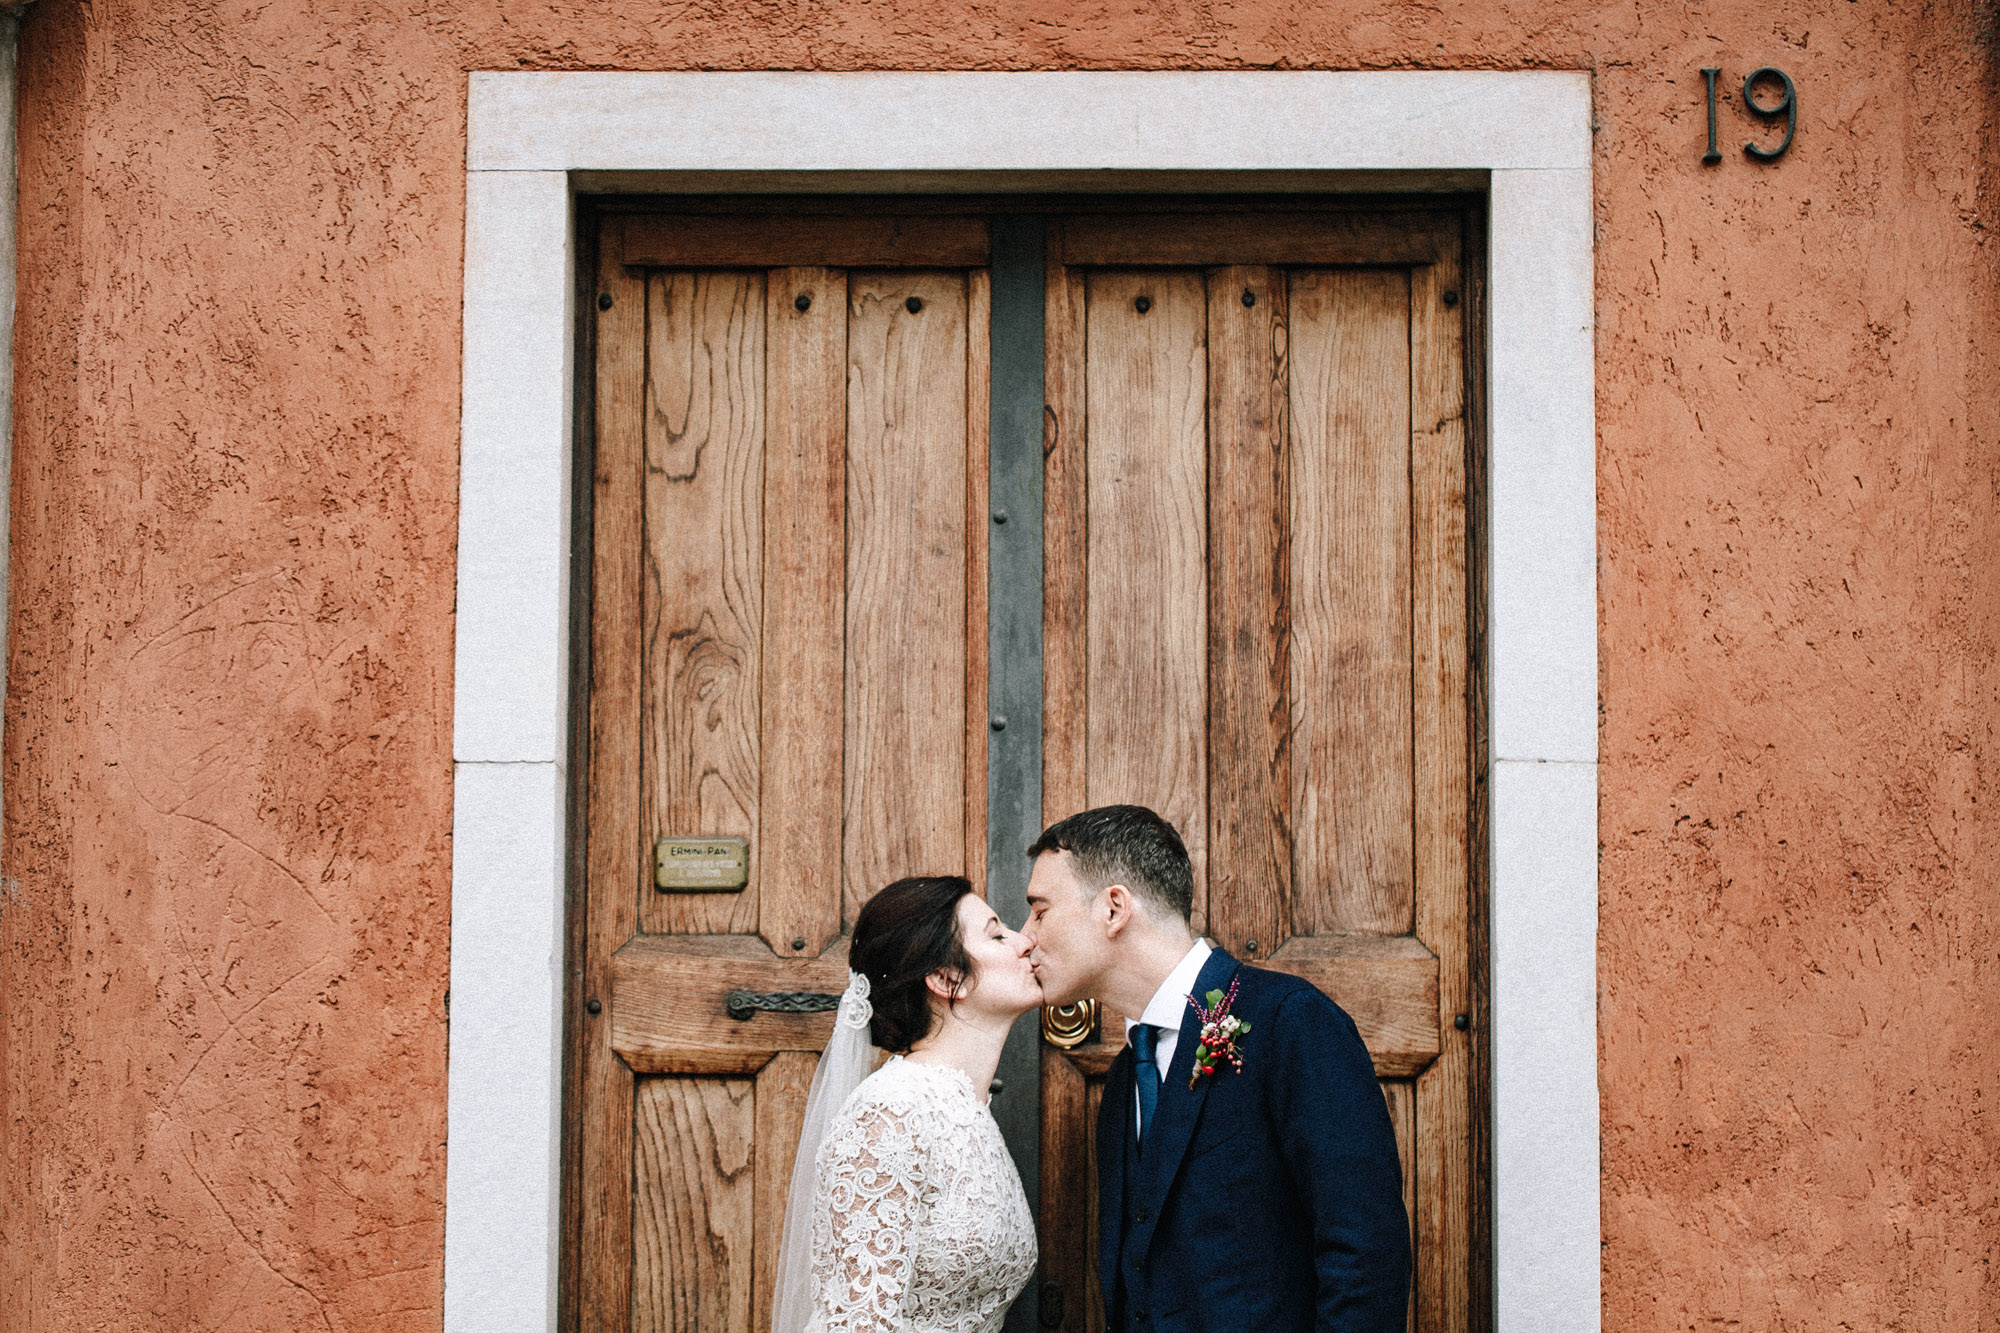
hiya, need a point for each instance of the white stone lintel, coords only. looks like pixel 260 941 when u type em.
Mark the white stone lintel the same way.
pixel 1105 121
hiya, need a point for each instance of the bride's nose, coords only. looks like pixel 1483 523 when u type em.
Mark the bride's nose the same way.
pixel 1023 946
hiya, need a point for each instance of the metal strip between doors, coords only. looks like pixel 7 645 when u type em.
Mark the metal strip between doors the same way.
pixel 1014 661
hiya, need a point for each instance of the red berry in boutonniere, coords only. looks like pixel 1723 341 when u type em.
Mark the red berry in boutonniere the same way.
pixel 1220 1030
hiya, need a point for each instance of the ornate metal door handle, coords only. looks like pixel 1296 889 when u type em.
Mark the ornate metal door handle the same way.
pixel 1070 1025
pixel 742 1004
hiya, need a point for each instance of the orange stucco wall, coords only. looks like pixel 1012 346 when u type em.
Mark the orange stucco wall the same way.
pixel 227 746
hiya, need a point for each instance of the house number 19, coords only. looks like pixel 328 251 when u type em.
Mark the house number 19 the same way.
pixel 1787 107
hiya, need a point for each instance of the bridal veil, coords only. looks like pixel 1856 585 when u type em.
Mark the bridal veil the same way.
pixel 848 1059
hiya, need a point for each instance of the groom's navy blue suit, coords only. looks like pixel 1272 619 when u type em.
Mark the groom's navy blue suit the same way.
pixel 1268 1201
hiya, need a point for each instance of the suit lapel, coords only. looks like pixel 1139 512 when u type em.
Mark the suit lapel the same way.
pixel 1174 1119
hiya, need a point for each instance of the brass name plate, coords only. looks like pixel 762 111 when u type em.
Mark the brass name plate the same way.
pixel 701 865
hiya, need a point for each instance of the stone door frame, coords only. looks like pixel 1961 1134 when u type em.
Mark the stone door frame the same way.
pixel 536 140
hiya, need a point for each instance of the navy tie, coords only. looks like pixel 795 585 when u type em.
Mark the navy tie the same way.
pixel 1146 1073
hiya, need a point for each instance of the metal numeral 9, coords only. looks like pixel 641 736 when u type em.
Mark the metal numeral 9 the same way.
pixel 1787 106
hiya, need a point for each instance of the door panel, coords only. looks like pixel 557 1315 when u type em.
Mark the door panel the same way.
pixel 703 594
pixel 1249 576
pixel 1350 614
pixel 804 588
pixel 907 639
pixel 693 1206
pixel 1147 664
pixel 1299 429
pixel 782 1086
pixel 788 646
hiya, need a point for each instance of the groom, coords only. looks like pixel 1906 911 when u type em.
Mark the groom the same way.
pixel 1265 1198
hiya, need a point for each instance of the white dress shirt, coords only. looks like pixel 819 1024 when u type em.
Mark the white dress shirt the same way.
pixel 1169 1006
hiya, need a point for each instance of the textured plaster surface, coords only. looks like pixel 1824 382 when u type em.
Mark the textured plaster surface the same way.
pixel 227 744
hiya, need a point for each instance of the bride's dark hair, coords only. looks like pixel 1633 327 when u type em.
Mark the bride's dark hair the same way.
pixel 904 933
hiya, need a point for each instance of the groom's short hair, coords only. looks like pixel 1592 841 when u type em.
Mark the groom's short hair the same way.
pixel 1129 845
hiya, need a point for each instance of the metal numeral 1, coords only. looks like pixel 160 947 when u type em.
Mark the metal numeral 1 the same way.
pixel 1712 156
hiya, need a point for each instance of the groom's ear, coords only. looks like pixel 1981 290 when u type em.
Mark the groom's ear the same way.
pixel 1118 908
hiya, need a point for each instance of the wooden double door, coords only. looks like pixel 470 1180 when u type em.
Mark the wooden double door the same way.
pixel 1253 471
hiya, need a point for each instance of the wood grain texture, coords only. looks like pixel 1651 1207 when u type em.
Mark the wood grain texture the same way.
pixel 693 1205
pixel 906 623
pixel 1445 1105
pixel 1388 985
pixel 1065 516
pixel 1402 1102
pixel 704 425
pixel 1069 1130
pixel 781 1109
pixel 1351 708
pixel 615 855
pixel 670 993
pixel 1094 1059
pixel 1147 240
pixel 1249 659
pixel 805 572
pixel 978 538
pixel 576 869
pixel 1146 636
pixel 772 240
pixel 1472 261
pixel 1094 1102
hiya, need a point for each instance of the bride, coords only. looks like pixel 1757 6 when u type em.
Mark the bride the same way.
pixel 906 1213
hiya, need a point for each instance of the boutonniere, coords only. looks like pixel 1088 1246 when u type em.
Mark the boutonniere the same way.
pixel 1220 1030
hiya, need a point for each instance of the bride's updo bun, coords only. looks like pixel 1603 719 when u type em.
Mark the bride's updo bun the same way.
pixel 904 933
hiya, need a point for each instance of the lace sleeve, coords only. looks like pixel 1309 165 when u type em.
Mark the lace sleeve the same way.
pixel 870 1200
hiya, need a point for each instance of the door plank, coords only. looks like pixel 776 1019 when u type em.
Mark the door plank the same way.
pixel 1065 658
pixel 1069 1128
pixel 614 856
pixel 703 581
pixel 1402 1101
pixel 1387 984
pixel 1351 708
pixel 1249 712
pixel 805 507
pixel 1146 545
pixel 906 629
pixel 693 1237
pixel 781 1110
pixel 1159 239
pixel 978 534
pixel 1094 1103
pixel 669 1000
pixel 1444 1101
pixel 772 240
pixel 1473 286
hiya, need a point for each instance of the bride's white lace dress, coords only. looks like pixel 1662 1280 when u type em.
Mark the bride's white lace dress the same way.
pixel 919 1221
